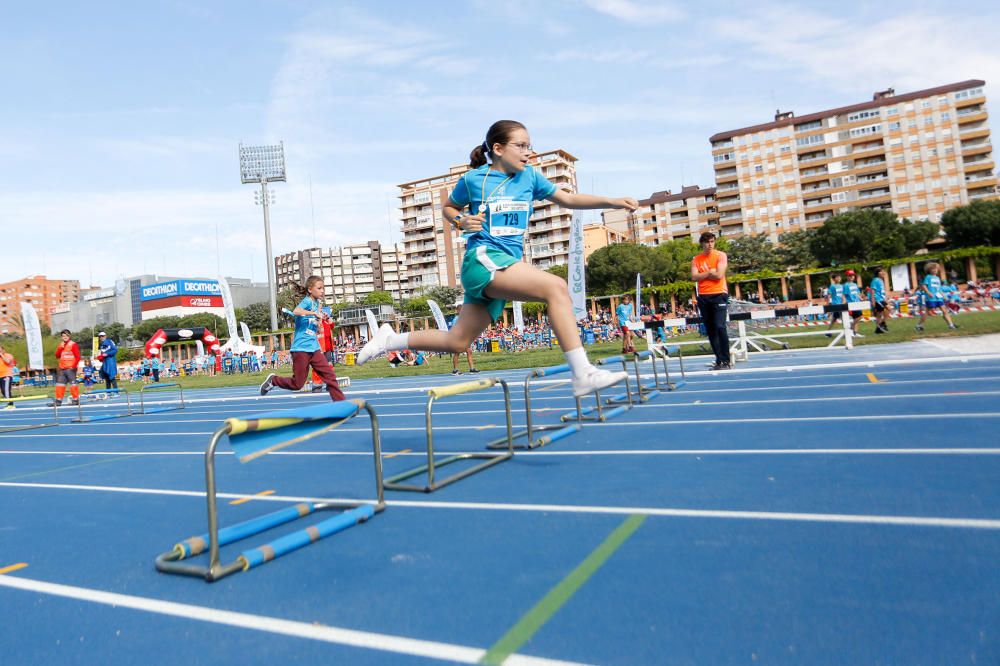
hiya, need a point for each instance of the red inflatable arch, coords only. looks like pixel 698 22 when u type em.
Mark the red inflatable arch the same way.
pixel 165 335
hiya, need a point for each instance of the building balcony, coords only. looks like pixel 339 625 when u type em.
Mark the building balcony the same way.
pixel 806 179
pixel 978 164
pixel 980 177
pixel 806 158
pixel 966 116
pixel 735 206
pixel 731 222
pixel 969 133
pixel 978 147
pixel 970 101
pixel 727 188
pixel 867 153
pixel 726 176
pixel 989 193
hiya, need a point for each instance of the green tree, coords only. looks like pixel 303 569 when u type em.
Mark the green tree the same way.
pixel 210 321
pixel 144 330
pixel 561 270
pixel 443 296
pixel 868 235
pixel 796 250
pixel 416 307
pixel 973 225
pixel 612 268
pixel 378 298
pixel 676 256
pixel 752 253
pixel 257 316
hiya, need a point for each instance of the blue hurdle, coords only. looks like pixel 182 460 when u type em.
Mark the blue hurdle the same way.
pixel 80 418
pixel 55 414
pixel 663 352
pixel 253 437
pixel 555 431
pixel 643 391
pixel 158 387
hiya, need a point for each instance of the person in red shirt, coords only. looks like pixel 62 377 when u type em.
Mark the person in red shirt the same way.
pixel 68 356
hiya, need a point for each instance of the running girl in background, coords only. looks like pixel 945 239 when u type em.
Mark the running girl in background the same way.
pixel 68 355
pixel 499 190
pixel 305 345
pixel 933 295
pixel 625 311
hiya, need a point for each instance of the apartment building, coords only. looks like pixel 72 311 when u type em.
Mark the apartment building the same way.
pixel 350 273
pixel 596 236
pixel 44 294
pixel 667 216
pixel 918 153
pixel 433 251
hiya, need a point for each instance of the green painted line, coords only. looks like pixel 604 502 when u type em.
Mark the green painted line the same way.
pixel 533 620
pixel 63 469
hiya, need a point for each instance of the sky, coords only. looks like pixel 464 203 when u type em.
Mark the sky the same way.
pixel 120 122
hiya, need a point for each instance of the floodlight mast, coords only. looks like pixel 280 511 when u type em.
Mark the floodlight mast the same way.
pixel 265 164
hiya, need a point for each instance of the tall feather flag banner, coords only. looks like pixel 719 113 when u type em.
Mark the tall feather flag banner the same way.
pixel 442 323
pixel 577 277
pixel 518 317
pixel 33 336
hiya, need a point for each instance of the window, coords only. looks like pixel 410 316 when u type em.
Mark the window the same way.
pixel 757 168
pixel 808 126
pixel 893 111
pixel 759 182
pixel 894 126
pixel 838 197
pixel 809 140
pixel 723 157
pixel 862 115
pixel 868 129
pixel 925 104
pixel 945 115
pixel 901 189
pixel 785 149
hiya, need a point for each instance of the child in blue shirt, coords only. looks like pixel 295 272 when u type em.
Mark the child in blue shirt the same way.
pixel 305 345
pixel 625 312
pixel 835 296
pixel 933 294
pixel 879 300
pixel 499 191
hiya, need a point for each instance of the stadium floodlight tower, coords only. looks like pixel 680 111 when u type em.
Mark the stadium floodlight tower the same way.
pixel 263 165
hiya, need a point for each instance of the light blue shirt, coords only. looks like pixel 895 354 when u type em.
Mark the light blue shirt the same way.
pixel 933 285
pixel 527 186
pixel 878 290
pixel 852 292
pixel 306 328
pixel 836 293
pixel 624 312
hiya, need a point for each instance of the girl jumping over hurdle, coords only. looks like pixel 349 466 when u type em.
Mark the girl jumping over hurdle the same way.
pixel 305 345
pixel 499 190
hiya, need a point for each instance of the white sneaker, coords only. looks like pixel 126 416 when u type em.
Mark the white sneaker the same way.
pixel 596 380
pixel 376 346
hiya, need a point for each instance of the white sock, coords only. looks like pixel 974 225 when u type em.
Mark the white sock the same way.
pixel 397 341
pixel 579 364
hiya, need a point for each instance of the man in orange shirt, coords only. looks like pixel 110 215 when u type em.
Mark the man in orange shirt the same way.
pixel 7 364
pixel 708 272
pixel 68 355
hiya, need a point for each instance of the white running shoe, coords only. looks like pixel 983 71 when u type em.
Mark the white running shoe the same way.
pixel 596 380
pixel 376 346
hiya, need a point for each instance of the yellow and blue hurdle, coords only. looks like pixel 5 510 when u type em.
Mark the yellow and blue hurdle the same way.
pixel 28 398
pixel 552 432
pixel 488 459
pixel 159 387
pixel 251 438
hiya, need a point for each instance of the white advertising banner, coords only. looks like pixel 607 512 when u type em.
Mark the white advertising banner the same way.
pixel 518 317
pixel 246 333
pixel 439 319
pixel 577 269
pixel 900 277
pixel 638 296
pixel 227 304
pixel 33 337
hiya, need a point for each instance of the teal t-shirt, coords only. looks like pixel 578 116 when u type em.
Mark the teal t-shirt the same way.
pixel 306 328
pixel 508 205
pixel 933 285
pixel 836 293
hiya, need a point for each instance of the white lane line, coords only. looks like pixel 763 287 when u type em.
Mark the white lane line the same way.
pixel 315 632
pixel 606 452
pixel 608 424
pixel 856 519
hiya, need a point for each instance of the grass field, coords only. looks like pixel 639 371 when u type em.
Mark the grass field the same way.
pixel 900 330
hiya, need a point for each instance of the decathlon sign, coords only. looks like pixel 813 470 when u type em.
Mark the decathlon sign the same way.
pixel 175 288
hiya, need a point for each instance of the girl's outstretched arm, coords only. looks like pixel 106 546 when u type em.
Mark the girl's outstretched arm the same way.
pixel 590 201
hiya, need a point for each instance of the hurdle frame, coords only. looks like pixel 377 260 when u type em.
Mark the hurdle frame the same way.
pixel 157 387
pixel 488 459
pixel 643 392
pixel 34 426
pixel 558 430
pixel 662 351
pixel 80 418
pixel 172 561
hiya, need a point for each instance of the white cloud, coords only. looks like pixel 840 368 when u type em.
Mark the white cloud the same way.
pixel 641 13
pixel 907 51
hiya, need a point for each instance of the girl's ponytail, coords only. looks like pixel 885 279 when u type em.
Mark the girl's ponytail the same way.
pixel 477 157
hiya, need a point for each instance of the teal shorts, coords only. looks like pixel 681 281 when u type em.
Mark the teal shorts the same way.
pixel 479 266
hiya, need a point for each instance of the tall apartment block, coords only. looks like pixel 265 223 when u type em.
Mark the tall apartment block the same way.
pixel 919 154
pixel 434 251
pixel 44 294
pixel 350 273
pixel 666 216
